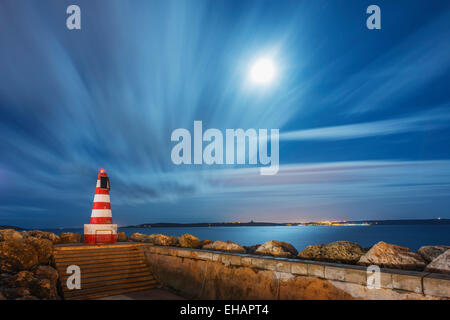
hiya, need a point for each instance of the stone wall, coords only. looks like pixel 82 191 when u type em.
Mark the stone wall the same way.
pixel 202 274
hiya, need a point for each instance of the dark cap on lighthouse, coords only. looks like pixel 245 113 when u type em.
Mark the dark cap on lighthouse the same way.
pixel 101 230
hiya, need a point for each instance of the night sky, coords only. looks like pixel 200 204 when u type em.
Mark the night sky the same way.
pixel 364 115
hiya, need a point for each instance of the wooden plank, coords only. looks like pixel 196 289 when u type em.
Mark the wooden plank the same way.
pixel 107 272
pixel 104 283
pixel 100 263
pixel 81 246
pixel 103 289
pixel 112 293
pixel 93 253
pixel 100 257
pixel 85 280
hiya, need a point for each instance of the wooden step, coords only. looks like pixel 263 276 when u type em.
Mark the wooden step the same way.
pixel 90 260
pixel 108 272
pixel 101 257
pixel 94 260
pixel 95 268
pixel 115 277
pixel 96 247
pixel 108 288
pixel 90 253
pixel 104 283
pixel 100 264
pixel 111 293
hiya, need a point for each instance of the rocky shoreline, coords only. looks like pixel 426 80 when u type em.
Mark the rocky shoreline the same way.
pixel 27 268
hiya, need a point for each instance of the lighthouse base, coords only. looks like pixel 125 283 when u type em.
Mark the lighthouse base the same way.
pixel 100 233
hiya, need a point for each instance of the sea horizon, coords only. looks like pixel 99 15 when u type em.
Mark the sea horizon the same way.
pixel 410 236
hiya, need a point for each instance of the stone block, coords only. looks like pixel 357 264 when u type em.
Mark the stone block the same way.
pixel 335 273
pixel 408 281
pixel 437 285
pixel 316 270
pixel 299 268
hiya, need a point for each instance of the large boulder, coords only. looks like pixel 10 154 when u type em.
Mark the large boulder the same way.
pixel 10 234
pixel 252 249
pixel 42 235
pixel 70 237
pixel 338 252
pixel 277 249
pixel 20 279
pixel 224 246
pixel 440 264
pixel 17 255
pixel 121 237
pixel 429 253
pixel 43 247
pixel 205 242
pixel 46 272
pixel 189 241
pixel 41 283
pixel 392 256
pixel 16 293
pixel 140 237
pixel 163 240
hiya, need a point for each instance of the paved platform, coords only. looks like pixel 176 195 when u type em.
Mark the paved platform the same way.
pixel 152 294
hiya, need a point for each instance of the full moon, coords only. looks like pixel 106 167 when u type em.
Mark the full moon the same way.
pixel 262 71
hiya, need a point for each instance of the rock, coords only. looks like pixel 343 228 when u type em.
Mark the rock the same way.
pixel 17 255
pixel 392 256
pixel 429 253
pixel 43 247
pixel 15 293
pixel 70 237
pixel 23 279
pixel 140 237
pixel 43 235
pixel 46 272
pixel 40 283
pixel 224 246
pixel 440 264
pixel 10 234
pixel 163 240
pixel 338 252
pixel 189 241
pixel 277 249
pixel 121 237
pixel 251 249
pixel 43 289
pixel 205 242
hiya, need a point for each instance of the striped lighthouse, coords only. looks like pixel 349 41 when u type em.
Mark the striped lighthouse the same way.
pixel 101 230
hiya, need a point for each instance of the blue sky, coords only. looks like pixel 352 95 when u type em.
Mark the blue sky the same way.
pixel 364 115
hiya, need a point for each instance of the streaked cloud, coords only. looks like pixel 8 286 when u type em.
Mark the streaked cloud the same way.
pixel 426 121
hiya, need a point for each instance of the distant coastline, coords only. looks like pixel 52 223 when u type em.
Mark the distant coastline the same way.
pixel 10 227
pixel 271 224
pixel 275 224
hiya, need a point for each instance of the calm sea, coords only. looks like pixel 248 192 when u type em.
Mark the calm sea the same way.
pixel 411 236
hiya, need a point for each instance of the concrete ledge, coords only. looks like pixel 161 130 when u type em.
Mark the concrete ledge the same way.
pixel 414 284
pixel 436 284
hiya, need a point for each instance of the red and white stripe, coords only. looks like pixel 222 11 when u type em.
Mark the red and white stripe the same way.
pixel 100 230
pixel 101 210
